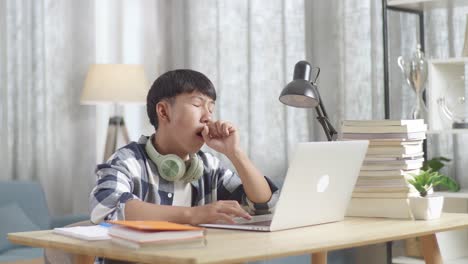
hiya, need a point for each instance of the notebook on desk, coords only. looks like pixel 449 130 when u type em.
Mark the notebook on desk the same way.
pixel 90 233
pixel 316 189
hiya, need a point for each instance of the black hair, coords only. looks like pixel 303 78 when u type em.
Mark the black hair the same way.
pixel 173 83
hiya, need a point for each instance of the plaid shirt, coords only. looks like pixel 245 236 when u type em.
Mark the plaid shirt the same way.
pixel 131 174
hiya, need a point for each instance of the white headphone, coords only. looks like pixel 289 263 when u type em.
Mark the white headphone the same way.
pixel 172 168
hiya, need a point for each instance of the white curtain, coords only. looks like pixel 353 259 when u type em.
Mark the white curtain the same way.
pixel 247 48
pixel 45 134
pixel 345 39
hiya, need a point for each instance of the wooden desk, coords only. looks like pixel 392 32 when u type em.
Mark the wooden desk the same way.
pixel 224 246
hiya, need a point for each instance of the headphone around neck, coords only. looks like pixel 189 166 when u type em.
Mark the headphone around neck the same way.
pixel 172 168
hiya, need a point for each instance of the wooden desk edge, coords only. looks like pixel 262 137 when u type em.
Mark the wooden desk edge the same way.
pixel 18 239
pixel 318 255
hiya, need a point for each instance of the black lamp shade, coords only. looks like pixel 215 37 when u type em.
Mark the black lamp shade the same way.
pixel 304 94
pixel 300 93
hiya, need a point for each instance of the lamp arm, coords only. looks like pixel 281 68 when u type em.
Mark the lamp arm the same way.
pixel 322 117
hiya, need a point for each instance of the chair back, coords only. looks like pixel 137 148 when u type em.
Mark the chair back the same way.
pixel 30 197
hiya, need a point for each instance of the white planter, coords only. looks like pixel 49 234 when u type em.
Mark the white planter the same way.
pixel 426 208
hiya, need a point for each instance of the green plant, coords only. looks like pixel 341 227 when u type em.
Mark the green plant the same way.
pixel 430 177
pixel 435 164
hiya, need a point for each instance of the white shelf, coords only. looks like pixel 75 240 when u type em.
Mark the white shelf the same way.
pixel 410 260
pixel 458 261
pixel 448 131
pixel 407 260
pixel 455 60
pixel 463 194
pixel 421 5
pixel 444 81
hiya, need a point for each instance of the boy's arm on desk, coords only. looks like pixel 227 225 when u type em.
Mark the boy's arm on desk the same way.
pixel 215 212
pixel 139 210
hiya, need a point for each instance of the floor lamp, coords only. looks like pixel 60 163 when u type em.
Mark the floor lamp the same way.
pixel 115 84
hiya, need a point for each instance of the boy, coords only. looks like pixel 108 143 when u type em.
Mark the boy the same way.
pixel 167 177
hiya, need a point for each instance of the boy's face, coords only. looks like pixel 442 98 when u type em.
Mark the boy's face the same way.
pixel 188 114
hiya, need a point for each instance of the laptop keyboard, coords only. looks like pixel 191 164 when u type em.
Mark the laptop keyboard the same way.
pixel 257 220
pixel 262 223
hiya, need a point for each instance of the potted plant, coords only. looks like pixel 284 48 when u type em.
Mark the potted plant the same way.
pixel 427 206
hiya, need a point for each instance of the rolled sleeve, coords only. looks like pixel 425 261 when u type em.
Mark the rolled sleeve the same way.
pixel 263 208
pixel 230 187
pixel 113 189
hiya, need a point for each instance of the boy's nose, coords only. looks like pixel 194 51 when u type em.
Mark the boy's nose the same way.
pixel 206 118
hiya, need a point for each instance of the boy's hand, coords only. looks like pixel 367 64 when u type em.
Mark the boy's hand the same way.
pixel 221 136
pixel 217 213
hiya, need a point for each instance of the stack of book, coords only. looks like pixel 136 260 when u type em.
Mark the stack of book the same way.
pixel 160 234
pixel 394 155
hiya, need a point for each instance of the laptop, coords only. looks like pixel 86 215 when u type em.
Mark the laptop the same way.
pixel 316 190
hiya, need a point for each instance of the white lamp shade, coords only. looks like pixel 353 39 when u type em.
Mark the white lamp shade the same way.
pixel 115 83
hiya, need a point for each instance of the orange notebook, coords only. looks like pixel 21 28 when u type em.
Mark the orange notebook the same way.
pixel 154 225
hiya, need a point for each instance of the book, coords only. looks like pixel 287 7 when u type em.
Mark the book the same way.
pixel 396 150
pixel 141 233
pixel 382 189
pixel 145 236
pixel 380 207
pixel 383 122
pixel 155 225
pixel 162 244
pixel 362 182
pixel 378 142
pixel 90 233
pixel 388 173
pixel 397 156
pixel 393 157
pixel 388 178
pixel 396 177
pixel 394 162
pixel 410 128
pixel 399 136
pixel 382 167
pixel 387 140
pixel 384 195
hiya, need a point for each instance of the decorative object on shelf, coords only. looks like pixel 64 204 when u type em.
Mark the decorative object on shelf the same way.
pixel 425 207
pixel 415 72
pixel 465 45
pixel 454 107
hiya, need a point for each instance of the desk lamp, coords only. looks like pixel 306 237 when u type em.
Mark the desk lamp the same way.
pixel 116 84
pixel 303 93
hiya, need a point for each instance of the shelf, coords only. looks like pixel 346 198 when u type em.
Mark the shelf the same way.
pixel 463 194
pixel 445 80
pixel 421 5
pixel 407 260
pixel 448 131
pixel 456 60
pixel 410 260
